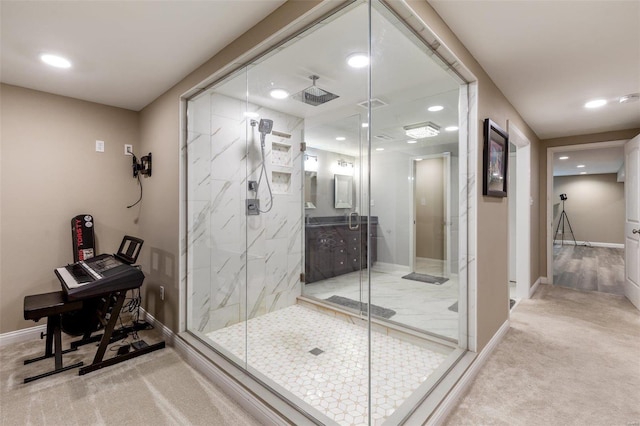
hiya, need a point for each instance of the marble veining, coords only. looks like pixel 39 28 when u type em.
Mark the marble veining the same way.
pixel 233 257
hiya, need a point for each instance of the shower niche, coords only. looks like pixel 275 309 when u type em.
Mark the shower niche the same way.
pixel 281 164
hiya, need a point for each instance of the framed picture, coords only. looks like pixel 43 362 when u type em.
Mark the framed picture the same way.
pixel 496 156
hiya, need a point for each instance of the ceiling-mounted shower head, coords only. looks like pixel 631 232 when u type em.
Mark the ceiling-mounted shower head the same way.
pixel 313 95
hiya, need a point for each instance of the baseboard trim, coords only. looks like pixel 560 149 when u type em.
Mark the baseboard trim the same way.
pixel 24 335
pixel 534 287
pixel 450 402
pixel 596 244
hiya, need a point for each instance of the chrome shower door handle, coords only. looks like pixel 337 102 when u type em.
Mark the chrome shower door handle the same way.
pixel 351 225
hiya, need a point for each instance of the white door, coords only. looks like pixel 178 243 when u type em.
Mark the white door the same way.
pixel 632 221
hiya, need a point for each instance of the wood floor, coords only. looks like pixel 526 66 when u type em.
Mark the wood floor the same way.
pixel 589 268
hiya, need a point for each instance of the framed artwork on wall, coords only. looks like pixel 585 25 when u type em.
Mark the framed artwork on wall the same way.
pixel 496 156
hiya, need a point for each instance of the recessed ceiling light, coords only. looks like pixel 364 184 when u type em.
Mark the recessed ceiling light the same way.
pixel 341 138
pixel 583 173
pixel 451 128
pixel 412 141
pixel 55 61
pixel 435 108
pixel 563 158
pixel 595 103
pixel 365 125
pixel 358 60
pixel 279 94
pixel 580 166
pixel 379 149
pixel 418 159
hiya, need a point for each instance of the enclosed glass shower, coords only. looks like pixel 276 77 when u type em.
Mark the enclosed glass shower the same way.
pixel 323 225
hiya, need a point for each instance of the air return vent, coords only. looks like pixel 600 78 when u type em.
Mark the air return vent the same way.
pixel 383 137
pixel 375 103
pixel 313 95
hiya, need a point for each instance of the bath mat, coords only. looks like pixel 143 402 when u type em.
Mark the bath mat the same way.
pixel 425 278
pixel 377 311
pixel 454 307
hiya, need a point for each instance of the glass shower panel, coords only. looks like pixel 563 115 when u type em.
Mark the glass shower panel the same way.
pixel 409 141
pixel 303 211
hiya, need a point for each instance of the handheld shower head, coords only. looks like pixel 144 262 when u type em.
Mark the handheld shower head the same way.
pixel 265 126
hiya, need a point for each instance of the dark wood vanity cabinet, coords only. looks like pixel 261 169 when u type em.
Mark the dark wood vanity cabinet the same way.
pixel 334 249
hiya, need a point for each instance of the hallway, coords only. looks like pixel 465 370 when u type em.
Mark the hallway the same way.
pixel 569 358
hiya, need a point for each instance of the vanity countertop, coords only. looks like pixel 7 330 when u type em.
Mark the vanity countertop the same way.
pixel 317 222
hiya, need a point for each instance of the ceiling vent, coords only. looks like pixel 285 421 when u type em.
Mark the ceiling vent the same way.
pixel 383 137
pixel 375 103
pixel 313 95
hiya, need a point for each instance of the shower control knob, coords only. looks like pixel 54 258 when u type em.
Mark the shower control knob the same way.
pixel 636 231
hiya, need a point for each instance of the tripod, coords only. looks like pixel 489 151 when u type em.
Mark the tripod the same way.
pixel 564 217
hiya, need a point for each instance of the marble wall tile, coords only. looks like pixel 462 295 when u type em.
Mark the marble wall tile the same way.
pixel 199 115
pixel 257 259
pixel 276 266
pixel 200 298
pixel 223 317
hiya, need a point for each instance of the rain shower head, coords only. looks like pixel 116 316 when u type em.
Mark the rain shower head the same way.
pixel 313 95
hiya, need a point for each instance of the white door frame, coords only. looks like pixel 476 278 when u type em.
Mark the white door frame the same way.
pixel 447 206
pixel 524 201
pixel 550 152
pixel 632 225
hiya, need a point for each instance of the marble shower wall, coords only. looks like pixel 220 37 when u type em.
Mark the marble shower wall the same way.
pixel 239 266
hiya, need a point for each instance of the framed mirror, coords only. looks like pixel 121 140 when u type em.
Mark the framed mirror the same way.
pixel 343 191
pixel 310 190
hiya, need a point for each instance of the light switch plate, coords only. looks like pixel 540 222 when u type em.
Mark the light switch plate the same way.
pixel 99 146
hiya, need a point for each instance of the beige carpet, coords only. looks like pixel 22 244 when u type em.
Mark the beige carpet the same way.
pixel 570 358
pixel 158 388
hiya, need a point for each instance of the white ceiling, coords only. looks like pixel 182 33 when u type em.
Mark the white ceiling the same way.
pixel 548 57
pixel 124 53
pixel 595 161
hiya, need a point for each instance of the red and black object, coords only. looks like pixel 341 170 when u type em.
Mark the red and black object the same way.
pixel 82 237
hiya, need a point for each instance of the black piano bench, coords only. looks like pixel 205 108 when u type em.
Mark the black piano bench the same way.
pixel 50 305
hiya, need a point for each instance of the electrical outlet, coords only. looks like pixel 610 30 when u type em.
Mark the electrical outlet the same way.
pixel 128 149
pixel 161 292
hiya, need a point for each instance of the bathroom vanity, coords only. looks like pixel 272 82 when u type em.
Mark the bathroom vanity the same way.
pixel 333 248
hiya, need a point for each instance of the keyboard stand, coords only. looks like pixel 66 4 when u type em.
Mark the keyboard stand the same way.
pixel 99 361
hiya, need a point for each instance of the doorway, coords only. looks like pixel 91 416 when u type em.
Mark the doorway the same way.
pixel 585 217
pixel 431 246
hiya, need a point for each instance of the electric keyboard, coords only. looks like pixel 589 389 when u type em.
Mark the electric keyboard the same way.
pixel 98 276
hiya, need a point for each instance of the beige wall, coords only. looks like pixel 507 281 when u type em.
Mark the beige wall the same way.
pixel 594 207
pixel 51 173
pixel 542 178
